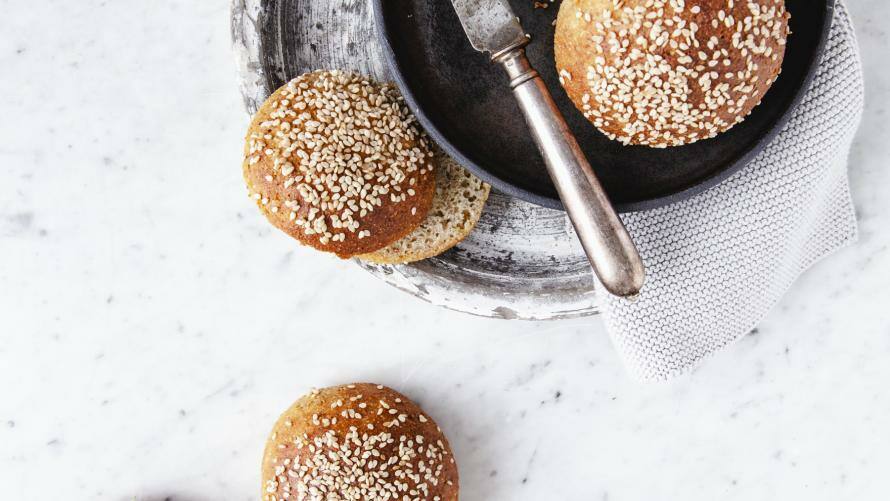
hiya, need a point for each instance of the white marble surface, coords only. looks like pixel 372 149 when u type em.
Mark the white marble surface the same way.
pixel 153 325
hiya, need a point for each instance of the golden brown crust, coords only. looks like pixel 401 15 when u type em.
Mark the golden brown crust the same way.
pixel 458 205
pixel 357 442
pixel 666 73
pixel 337 163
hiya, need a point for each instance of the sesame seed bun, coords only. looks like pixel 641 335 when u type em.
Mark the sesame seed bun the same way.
pixel 337 162
pixel 669 72
pixel 457 207
pixel 357 442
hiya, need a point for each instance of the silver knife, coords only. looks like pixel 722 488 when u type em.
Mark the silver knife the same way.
pixel 492 27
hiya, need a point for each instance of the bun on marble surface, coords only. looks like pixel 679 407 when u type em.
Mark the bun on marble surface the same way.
pixel 457 206
pixel 357 442
pixel 668 72
pixel 338 163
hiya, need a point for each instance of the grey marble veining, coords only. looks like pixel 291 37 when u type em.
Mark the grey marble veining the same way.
pixel 153 325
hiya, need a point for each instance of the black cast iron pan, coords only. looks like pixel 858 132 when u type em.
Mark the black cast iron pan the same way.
pixel 465 104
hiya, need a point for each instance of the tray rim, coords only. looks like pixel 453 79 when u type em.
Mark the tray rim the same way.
pixel 554 203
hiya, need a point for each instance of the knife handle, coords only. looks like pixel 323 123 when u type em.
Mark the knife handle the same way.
pixel 608 245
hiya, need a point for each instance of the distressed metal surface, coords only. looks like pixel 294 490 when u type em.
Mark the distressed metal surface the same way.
pixel 522 262
pixel 490 25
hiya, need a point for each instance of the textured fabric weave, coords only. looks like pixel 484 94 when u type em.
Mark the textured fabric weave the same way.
pixel 717 263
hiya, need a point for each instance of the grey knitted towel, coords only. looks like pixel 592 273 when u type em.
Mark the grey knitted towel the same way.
pixel 720 261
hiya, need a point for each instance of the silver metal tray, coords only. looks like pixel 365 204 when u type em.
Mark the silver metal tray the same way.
pixel 521 262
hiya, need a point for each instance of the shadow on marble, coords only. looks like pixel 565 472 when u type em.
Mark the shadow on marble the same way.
pixel 167 497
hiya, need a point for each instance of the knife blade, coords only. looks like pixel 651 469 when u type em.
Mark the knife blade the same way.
pixel 490 25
